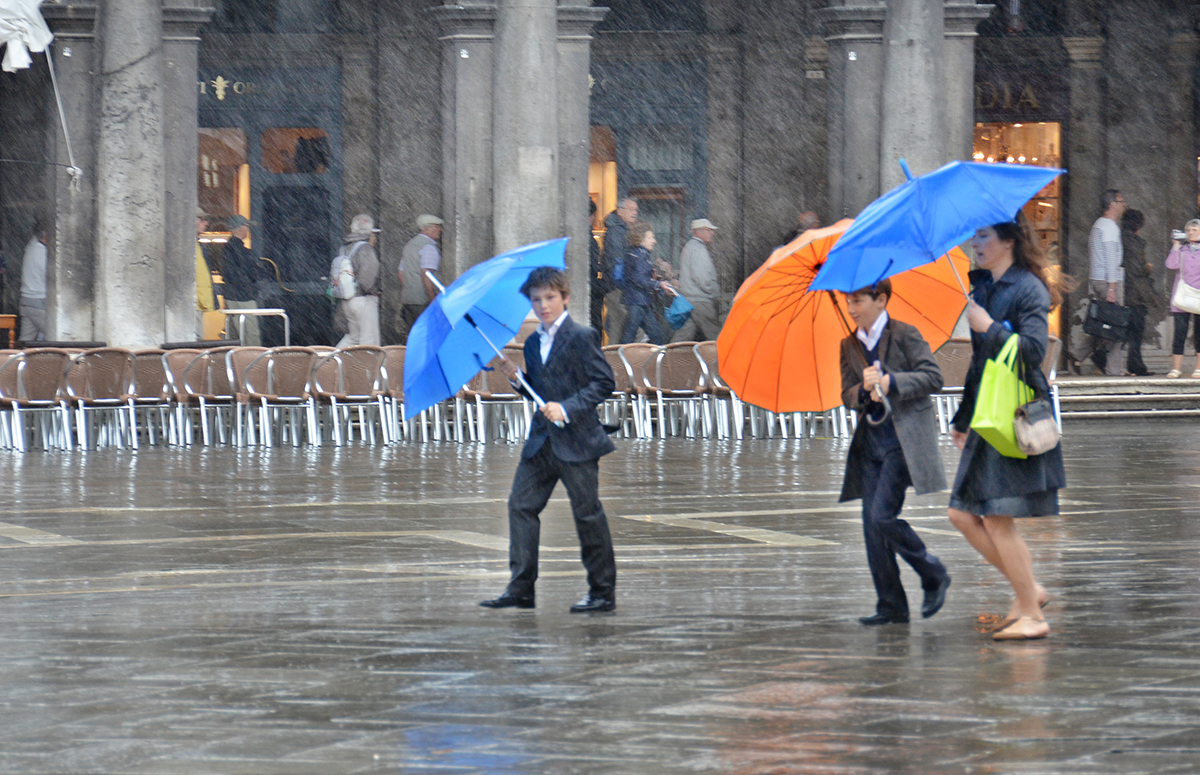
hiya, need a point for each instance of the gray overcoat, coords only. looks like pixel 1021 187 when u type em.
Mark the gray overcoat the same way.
pixel 915 375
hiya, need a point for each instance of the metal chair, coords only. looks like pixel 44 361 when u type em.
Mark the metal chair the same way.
pixel 31 385
pixel 620 408
pixel 356 380
pixel 393 370
pixel 153 398
pixel 954 359
pixel 634 357
pixel 727 407
pixel 675 376
pixel 207 387
pixel 101 384
pixel 282 392
pixel 175 363
pixel 237 362
pixel 491 390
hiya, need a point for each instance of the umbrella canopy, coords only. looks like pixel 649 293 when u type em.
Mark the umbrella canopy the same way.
pixel 780 346
pixel 920 220
pixel 23 29
pixel 444 349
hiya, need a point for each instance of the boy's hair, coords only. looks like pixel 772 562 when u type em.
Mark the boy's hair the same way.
pixel 546 277
pixel 883 287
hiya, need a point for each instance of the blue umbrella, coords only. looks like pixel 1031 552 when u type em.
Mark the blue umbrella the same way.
pixel 921 220
pixel 454 337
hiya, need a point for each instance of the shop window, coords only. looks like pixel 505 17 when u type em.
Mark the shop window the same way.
pixel 663 208
pixel 223 179
pixel 1038 144
pixel 660 147
pixel 295 150
pixel 602 176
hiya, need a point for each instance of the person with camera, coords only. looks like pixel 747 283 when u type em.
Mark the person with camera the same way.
pixel 1185 260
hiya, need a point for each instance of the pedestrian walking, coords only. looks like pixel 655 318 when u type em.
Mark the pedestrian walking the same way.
pixel 1184 258
pixel 616 245
pixel 1139 289
pixel 1106 282
pixel 640 287
pixel 361 311
pixel 32 305
pixel 698 284
pixel 891 450
pixel 1011 295
pixel 565 365
pixel 420 255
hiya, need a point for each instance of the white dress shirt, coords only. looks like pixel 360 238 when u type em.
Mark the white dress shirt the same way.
pixel 871 338
pixel 547 335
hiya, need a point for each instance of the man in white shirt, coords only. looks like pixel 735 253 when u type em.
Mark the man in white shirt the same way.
pixel 33 288
pixel 1106 278
pixel 420 253
pixel 698 284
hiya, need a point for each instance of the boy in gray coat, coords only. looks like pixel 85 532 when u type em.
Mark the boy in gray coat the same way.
pixel 891 450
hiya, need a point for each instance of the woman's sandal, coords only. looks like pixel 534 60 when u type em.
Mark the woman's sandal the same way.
pixel 1024 628
pixel 1008 620
pixel 1196 374
pixel 1174 374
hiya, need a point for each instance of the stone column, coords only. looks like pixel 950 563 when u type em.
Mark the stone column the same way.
pixel 574 139
pixel 854 32
pixel 913 125
pixel 131 246
pixel 1085 150
pixel 724 70
pixel 525 123
pixel 467 83
pixel 180 145
pixel 958 56
pixel 72 278
pixel 1180 168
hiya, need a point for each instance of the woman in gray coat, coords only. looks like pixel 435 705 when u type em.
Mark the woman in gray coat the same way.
pixel 1010 294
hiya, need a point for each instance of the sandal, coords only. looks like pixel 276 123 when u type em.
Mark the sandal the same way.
pixel 1174 374
pixel 1196 374
pixel 1025 628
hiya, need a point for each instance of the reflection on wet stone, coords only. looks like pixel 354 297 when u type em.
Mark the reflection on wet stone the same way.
pixel 299 611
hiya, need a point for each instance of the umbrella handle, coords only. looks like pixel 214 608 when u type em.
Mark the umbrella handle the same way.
pixel 887 410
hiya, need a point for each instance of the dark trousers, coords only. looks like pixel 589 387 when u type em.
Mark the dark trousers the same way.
pixel 885 478
pixel 1137 328
pixel 1181 331
pixel 532 486
pixel 642 317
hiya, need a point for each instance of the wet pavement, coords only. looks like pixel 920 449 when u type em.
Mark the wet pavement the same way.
pixel 282 611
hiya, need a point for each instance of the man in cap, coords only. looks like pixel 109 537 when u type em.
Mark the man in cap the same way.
pixel 241 272
pixel 698 284
pixel 362 311
pixel 205 298
pixel 420 254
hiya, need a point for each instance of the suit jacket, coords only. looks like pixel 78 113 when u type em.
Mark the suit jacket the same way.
pixel 915 375
pixel 577 376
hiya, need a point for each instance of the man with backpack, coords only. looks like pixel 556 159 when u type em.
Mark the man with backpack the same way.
pixel 356 282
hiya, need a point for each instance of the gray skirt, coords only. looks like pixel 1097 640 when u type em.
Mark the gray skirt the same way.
pixel 980 459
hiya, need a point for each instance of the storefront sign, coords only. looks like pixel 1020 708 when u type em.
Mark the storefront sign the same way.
pixel 1020 97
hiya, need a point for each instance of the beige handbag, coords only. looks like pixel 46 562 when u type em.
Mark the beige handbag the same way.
pixel 1035 428
pixel 1186 298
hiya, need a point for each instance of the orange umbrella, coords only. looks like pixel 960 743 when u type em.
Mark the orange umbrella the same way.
pixel 779 348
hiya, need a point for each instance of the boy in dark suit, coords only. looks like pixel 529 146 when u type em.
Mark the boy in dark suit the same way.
pixel 566 367
pixel 887 357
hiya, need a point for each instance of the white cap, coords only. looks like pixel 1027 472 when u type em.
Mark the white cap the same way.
pixel 425 221
pixel 362 224
pixel 702 223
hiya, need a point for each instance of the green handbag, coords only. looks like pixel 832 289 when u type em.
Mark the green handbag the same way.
pixel 1001 391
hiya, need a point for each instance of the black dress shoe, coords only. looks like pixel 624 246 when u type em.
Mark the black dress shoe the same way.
pixel 509 600
pixel 592 604
pixel 875 619
pixel 935 598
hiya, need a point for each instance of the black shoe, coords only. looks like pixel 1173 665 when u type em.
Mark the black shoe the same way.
pixel 592 604
pixel 509 600
pixel 935 598
pixel 875 619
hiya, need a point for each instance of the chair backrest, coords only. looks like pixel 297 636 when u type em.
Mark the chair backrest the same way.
pixel 516 355
pixel 237 361
pixel 8 373
pixel 954 358
pixel 175 364
pixel 288 375
pixel 106 373
pixel 1050 361
pixel 393 367
pixel 675 367
pixel 41 373
pixel 634 356
pixel 361 371
pixel 150 375
pixel 706 353
pixel 208 375
pixel 622 379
